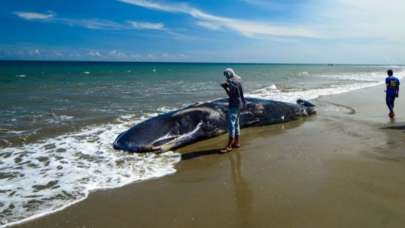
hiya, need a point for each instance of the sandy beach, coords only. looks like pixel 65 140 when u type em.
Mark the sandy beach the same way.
pixel 109 110
pixel 341 168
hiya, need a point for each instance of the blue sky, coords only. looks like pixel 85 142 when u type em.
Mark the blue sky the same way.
pixel 288 31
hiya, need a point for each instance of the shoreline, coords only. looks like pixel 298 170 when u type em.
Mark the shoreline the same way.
pixel 205 153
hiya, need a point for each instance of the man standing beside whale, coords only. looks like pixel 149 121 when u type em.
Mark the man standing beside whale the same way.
pixel 233 88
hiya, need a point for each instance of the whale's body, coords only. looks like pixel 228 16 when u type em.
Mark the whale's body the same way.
pixel 202 121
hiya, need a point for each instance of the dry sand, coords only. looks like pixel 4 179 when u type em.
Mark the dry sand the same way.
pixel 341 168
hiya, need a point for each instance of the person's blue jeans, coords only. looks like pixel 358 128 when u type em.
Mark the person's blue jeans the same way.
pixel 233 122
pixel 390 100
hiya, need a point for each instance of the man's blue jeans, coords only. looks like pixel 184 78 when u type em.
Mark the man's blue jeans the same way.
pixel 390 100
pixel 233 122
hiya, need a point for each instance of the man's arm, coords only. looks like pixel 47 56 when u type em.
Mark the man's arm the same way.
pixel 398 89
pixel 226 88
pixel 242 96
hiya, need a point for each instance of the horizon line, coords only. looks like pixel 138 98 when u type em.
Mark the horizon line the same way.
pixel 189 62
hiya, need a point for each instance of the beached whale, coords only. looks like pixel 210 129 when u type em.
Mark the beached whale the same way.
pixel 202 121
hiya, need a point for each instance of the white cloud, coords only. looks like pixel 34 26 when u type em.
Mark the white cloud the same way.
pixel 34 15
pixel 85 23
pixel 94 53
pixel 244 27
pixel 370 19
pixel 91 23
pixel 116 54
pixel 274 5
pixel 327 19
pixel 208 25
pixel 35 52
pixel 146 25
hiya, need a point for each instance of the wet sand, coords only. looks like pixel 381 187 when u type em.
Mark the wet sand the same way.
pixel 344 167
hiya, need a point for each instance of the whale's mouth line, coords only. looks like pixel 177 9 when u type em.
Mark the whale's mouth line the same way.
pixel 165 139
pixel 168 141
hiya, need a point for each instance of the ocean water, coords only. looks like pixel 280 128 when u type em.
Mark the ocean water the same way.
pixel 58 119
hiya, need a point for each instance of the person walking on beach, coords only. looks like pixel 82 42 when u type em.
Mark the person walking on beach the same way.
pixel 233 89
pixel 391 92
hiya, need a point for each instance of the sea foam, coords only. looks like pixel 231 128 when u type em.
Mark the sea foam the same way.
pixel 358 81
pixel 40 178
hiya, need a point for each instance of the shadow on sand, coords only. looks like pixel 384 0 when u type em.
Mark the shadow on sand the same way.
pixel 396 127
pixel 197 154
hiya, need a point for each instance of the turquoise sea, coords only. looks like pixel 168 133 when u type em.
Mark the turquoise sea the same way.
pixel 59 119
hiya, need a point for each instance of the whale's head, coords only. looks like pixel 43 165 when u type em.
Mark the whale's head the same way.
pixel 169 130
pixel 307 106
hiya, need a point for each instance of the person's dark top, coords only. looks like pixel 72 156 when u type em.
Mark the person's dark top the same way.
pixel 235 93
pixel 392 86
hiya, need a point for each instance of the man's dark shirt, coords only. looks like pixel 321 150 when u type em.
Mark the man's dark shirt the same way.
pixel 392 86
pixel 235 93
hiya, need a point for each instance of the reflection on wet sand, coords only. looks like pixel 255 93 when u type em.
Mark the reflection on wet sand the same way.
pixel 243 193
pixel 393 149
